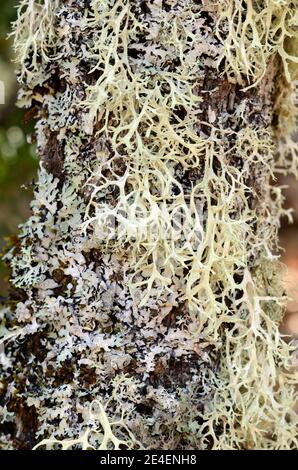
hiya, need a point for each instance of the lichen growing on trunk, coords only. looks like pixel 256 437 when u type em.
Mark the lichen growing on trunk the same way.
pixel 146 284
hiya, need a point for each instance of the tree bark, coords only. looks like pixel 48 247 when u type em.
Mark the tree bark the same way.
pixel 146 287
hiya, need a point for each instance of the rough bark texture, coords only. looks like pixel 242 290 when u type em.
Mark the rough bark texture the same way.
pixel 146 285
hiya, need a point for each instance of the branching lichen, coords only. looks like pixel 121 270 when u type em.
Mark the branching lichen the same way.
pixel 147 281
pixel 257 31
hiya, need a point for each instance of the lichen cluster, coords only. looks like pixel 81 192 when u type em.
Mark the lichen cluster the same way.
pixel 147 286
pixel 251 35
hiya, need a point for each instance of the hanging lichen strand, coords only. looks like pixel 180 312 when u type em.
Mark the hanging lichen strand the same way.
pixel 147 293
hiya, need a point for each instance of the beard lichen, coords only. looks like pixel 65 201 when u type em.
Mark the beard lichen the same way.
pixel 147 282
pixel 251 32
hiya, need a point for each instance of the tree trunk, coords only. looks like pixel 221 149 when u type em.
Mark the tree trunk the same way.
pixel 146 287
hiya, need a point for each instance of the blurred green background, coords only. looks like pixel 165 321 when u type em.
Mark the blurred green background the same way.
pixel 18 163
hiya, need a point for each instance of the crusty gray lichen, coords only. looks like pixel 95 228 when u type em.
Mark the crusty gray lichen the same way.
pixel 148 275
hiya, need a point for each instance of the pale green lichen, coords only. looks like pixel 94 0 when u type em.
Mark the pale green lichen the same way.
pixel 252 32
pixel 150 264
pixel 98 436
pixel 34 35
